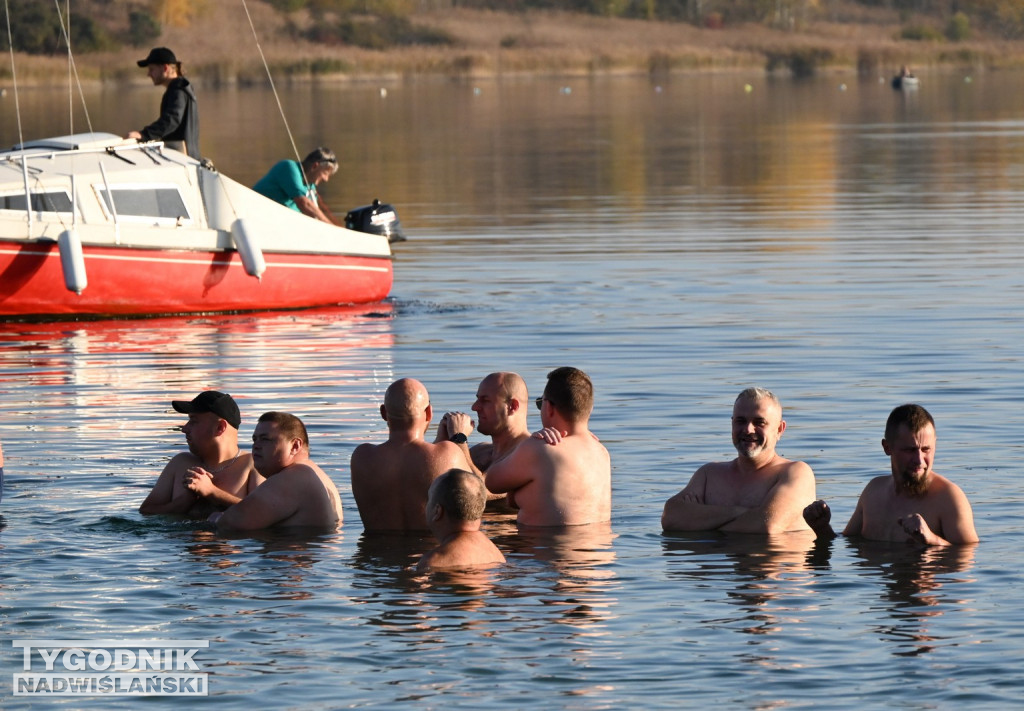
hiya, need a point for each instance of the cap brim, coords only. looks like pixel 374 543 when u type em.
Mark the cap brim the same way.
pixel 182 406
pixel 143 62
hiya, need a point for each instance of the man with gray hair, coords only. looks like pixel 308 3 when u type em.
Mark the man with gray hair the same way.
pixel 758 491
pixel 293 184
pixel 455 508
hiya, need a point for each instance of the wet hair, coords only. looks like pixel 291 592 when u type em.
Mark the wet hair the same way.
pixel 287 424
pixel 570 392
pixel 461 494
pixel 321 155
pixel 915 417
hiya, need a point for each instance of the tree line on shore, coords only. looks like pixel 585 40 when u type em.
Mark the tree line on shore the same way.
pixel 102 25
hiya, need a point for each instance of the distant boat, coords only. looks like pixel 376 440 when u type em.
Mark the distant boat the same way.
pixel 93 224
pixel 904 80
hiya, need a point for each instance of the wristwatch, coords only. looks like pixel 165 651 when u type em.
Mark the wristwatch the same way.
pixel 458 438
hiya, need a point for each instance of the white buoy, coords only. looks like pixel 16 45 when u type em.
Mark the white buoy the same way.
pixel 72 261
pixel 248 249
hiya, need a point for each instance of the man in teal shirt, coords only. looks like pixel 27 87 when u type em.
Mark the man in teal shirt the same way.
pixel 294 185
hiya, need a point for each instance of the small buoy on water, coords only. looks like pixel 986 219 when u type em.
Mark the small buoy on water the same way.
pixel 476 91
pixel 967 80
pixel 842 87
pixel 383 93
pixel 657 90
pixel 748 88
pixel 566 90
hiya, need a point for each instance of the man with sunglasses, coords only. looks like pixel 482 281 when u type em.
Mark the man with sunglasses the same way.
pixel 564 485
pixel 293 184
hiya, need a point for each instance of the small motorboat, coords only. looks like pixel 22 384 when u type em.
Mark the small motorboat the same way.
pixel 94 224
pixel 904 80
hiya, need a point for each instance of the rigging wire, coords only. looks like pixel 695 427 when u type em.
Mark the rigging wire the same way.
pixel 72 68
pixel 280 108
pixel 14 74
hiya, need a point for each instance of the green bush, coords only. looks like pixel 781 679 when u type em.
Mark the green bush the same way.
pixel 958 28
pixel 143 28
pixel 920 33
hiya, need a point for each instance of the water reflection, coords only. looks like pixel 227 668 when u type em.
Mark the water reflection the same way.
pixel 757 574
pixel 915 590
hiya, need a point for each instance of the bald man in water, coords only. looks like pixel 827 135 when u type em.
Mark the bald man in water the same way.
pixel 390 481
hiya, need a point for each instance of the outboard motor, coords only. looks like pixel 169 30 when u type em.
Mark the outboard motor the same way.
pixel 376 219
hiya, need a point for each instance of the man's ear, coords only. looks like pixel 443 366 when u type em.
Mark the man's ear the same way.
pixel 513 405
pixel 885 447
pixel 437 513
pixel 782 427
pixel 222 426
pixel 383 413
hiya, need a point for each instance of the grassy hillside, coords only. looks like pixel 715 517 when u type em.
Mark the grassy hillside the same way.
pixel 216 44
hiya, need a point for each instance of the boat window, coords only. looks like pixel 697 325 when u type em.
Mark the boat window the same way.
pixel 42 201
pixel 146 202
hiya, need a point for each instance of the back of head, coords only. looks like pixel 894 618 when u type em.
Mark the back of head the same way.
pixel 404 401
pixel 461 494
pixel 914 417
pixel 288 425
pixel 570 392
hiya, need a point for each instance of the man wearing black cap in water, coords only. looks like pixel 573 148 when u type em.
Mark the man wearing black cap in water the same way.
pixel 178 125
pixel 214 473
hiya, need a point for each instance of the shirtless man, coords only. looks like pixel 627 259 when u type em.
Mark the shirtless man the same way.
pixel 501 408
pixel 296 493
pixel 915 504
pixel 758 491
pixel 564 485
pixel 390 480
pixel 214 458
pixel 455 507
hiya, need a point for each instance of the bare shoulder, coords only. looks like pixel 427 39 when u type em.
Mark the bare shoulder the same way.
pixel 797 470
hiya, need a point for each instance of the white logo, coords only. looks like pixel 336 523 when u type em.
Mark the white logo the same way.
pixel 118 667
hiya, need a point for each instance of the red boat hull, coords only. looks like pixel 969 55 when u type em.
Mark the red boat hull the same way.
pixel 124 281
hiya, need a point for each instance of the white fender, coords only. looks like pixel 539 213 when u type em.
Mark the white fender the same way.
pixel 248 249
pixel 72 261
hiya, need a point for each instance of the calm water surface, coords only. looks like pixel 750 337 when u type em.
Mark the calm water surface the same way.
pixel 849 247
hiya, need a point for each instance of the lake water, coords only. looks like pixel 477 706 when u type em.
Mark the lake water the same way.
pixel 847 246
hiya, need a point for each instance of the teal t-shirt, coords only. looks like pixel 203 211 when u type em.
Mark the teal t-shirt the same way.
pixel 283 183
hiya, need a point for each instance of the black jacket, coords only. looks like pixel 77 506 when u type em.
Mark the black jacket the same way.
pixel 179 117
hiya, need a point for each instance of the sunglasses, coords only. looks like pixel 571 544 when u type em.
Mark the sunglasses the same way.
pixel 540 402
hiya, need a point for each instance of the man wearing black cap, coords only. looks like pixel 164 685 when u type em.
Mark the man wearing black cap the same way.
pixel 178 125
pixel 214 473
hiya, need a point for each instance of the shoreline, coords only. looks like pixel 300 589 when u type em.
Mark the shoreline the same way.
pixel 489 45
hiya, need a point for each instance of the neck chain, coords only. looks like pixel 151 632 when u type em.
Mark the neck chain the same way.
pixel 222 467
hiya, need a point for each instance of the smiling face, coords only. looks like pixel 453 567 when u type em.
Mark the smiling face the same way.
pixel 272 451
pixel 757 426
pixel 911 455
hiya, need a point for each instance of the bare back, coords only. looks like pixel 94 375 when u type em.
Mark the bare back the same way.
pixel 300 495
pixel 390 481
pixel 567 484
pixel 466 549
pixel 943 506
